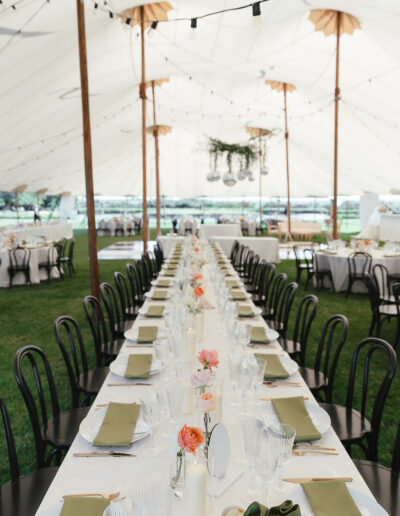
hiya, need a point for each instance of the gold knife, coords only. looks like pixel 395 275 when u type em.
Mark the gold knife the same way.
pixel 316 479
pixel 127 384
pixel 104 454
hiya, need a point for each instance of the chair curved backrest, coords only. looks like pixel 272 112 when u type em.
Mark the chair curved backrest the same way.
pixel 71 249
pixel 12 452
pixel 309 257
pixel 372 346
pixel 113 309
pixel 69 339
pixel 284 306
pixel 396 453
pixel 19 257
pixel 266 280
pixel 234 250
pixel 124 294
pixel 373 293
pixel 253 268
pixel 304 318
pixel 333 337
pixel 145 270
pixel 95 317
pixel 134 282
pixel 381 276
pixel 258 275
pixel 296 255
pixel 38 411
pixel 359 263
pixel 278 284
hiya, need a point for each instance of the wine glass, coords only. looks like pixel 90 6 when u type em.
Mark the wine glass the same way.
pixel 245 372
pixel 161 347
pixel 244 334
pixel 258 377
pixel 175 395
pixel 151 413
pixel 252 429
pixel 282 439
pixel 266 464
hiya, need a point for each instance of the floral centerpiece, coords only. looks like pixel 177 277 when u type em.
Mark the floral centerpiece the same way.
pixel 189 439
pixel 207 401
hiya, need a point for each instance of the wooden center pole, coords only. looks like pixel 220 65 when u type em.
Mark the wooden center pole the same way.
pixel 289 233
pixel 336 137
pixel 157 155
pixel 87 145
pixel 144 156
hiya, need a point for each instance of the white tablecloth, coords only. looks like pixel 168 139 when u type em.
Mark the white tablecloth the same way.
pixel 112 225
pixel 266 247
pixel 38 255
pixel 207 231
pixel 168 242
pixel 127 475
pixel 337 263
pixel 51 232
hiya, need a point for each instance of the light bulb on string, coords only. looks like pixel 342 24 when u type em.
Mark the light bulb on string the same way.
pixel 256 9
pixel 152 29
pixel 193 26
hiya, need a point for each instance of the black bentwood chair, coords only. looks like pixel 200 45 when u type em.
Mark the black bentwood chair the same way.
pixel 381 312
pixel 51 262
pixel 21 495
pixel 265 282
pixel 359 265
pixel 19 261
pixel 126 299
pixel 67 259
pixel 106 348
pixel 274 295
pixel 306 266
pixel 282 313
pixel 384 482
pixel 134 283
pixel 333 337
pixel 58 430
pixel 351 425
pixel 117 323
pixel 296 348
pixel 82 379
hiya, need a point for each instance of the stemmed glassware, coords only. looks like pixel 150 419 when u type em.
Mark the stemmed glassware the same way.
pixel 245 373
pixel 252 429
pixel 175 395
pixel 258 377
pixel 161 347
pixel 266 464
pixel 151 413
pixel 244 334
pixel 282 439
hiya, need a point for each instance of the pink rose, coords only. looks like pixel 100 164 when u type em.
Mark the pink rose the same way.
pixel 207 402
pixel 208 359
pixel 200 378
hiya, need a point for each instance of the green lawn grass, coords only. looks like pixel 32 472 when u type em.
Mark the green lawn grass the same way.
pixel 27 315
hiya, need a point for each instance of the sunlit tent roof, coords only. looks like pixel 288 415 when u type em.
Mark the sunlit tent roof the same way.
pixel 216 88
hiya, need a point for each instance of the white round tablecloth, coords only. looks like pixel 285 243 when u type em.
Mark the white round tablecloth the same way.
pixel 51 232
pixel 337 263
pixel 207 231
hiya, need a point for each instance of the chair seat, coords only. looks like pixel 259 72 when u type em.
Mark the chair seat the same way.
pixel 61 431
pixel 276 325
pixel 23 497
pixel 349 426
pixel 388 310
pixel 91 381
pixel 111 347
pixel 120 329
pixel 315 380
pixel 384 484
pixel 291 347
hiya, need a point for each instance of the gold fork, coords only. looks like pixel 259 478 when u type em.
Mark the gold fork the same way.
pixel 322 452
pixel 111 496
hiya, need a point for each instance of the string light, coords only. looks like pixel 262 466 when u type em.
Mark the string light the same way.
pixel 152 29
pixel 193 26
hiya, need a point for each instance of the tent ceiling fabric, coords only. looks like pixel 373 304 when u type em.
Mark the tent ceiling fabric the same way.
pixel 216 88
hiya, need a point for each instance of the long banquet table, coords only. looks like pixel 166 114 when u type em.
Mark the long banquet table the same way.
pixel 126 475
pixel 209 230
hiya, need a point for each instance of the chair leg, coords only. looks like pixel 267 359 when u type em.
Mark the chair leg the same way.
pixel 372 327
pixel 298 277
pixel 349 287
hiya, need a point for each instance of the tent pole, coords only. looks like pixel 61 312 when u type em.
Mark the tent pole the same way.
pixel 335 157
pixel 289 233
pixel 87 145
pixel 259 180
pixel 144 163
pixel 157 153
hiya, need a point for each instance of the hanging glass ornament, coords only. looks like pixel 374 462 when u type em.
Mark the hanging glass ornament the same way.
pixel 229 179
pixel 264 171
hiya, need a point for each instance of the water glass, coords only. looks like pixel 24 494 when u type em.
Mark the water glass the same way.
pixel 282 439
pixel 252 429
pixel 161 347
pixel 175 396
pixel 156 499
pixel 244 334
pixel 151 413
pixel 265 465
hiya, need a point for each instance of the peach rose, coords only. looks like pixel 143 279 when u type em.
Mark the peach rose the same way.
pixel 198 291
pixel 208 359
pixel 190 438
pixel 207 402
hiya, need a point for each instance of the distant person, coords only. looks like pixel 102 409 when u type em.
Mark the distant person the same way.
pixel 36 214
pixel 175 225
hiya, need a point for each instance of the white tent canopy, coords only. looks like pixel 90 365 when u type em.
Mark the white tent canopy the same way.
pixel 216 88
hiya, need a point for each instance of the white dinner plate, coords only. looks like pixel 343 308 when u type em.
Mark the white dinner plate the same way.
pixel 155 281
pixel 318 415
pixel 149 295
pixel 365 504
pixel 90 426
pixel 271 334
pixel 248 296
pixel 132 333
pixel 118 508
pixel 118 366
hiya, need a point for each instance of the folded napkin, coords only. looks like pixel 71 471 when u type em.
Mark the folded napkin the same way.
pixel 138 366
pixel 258 335
pixel 147 334
pixel 238 296
pixel 286 508
pixel 328 251
pixel 274 368
pixel 159 294
pixel 155 311
pixel 391 255
pixel 245 311
pixel 84 505
pixel 232 283
pixel 118 426
pixel 163 283
pixel 292 411
pixel 171 266
pixel 169 273
pixel 330 498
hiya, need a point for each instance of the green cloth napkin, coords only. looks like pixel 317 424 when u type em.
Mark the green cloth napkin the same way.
pixel 147 334
pixel 258 335
pixel 169 273
pixel 155 311
pixel 232 283
pixel 159 294
pixel 84 506
pixel 245 311
pixel 163 283
pixel 274 368
pixel 138 366
pixel 171 266
pixel 238 296
pixel 118 425
pixel 330 498
pixel 292 411
pixel 286 508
